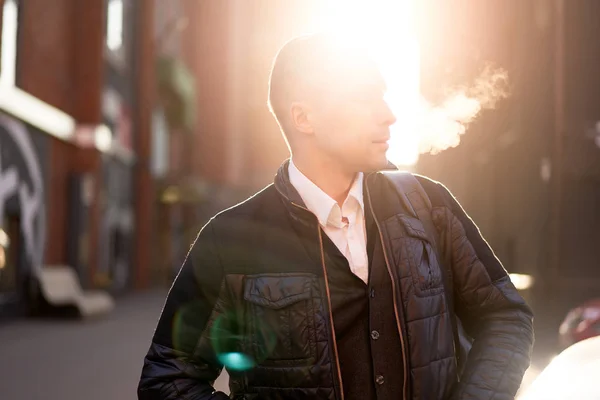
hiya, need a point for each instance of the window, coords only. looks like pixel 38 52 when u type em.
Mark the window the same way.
pixel 8 54
pixel 114 25
pixel 159 163
pixel 116 32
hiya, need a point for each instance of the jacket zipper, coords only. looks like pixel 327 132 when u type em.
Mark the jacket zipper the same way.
pixel 394 296
pixel 335 348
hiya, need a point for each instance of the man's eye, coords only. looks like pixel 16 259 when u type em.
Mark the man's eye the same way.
pixel 369 98
pixel 367 95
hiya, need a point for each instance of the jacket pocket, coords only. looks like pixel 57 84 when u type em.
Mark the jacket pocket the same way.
pixel 280 318
pixel 420 257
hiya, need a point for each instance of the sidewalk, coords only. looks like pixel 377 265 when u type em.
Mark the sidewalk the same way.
pixel 74 360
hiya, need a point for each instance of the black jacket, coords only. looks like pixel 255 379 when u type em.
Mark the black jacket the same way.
pixel 252 295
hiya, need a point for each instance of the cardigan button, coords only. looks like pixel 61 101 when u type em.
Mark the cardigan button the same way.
pixel 379 380
pixel 375 335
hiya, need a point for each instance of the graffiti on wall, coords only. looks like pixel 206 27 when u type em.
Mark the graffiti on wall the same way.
pixel 21 178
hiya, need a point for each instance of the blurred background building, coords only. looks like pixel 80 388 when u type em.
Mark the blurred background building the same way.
pixel 126 124
pixel 528 172
pixel 75 115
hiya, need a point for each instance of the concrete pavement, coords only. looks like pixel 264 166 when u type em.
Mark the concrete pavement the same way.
pixel 93 360
pixel 73 360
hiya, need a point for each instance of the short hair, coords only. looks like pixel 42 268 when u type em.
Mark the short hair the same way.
pixel 308 61
pixel 289 69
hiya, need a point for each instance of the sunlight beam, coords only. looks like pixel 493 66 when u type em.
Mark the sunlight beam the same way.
pixel 387 26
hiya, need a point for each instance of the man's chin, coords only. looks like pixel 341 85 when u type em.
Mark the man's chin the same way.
pixel 388 165
pixel 378 165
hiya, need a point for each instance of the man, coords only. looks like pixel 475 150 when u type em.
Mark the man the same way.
pixel 323 286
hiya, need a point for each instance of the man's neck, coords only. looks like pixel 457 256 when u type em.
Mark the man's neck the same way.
pixel 328 176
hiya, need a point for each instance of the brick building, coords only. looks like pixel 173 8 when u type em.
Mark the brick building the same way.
pixel 76 100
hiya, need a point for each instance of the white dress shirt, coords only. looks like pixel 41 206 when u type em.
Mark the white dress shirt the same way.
pixel 345 225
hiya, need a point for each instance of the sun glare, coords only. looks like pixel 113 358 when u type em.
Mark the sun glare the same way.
pixel 388 27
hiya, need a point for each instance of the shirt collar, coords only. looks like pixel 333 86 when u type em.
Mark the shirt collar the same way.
pixel 315 199
pixel 356 190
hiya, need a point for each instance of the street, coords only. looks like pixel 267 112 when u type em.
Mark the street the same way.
pixel 74 360
pixel 45 359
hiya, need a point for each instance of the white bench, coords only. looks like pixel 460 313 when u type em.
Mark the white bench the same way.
pixel 60 287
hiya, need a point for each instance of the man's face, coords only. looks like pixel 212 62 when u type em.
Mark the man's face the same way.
pixel 351 120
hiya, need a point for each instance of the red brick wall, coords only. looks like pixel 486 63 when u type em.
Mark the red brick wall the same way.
pixel 144 188
pixel 60 56
pixel 206 48
pixel 45 59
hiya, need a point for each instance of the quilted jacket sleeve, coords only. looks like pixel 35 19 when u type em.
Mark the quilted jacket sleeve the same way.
pixel 488 304
pixel 173 367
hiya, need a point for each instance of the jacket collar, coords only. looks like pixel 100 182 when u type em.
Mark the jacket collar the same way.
pixel 292 198
pixel 285 187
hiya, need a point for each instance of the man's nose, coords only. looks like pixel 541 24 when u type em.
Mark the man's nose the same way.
pixel 387 116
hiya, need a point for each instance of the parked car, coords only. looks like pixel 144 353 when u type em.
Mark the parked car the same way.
pixel 573 374
pixel 581 323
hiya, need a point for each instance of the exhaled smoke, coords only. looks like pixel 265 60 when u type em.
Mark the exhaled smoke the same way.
pixel 441 126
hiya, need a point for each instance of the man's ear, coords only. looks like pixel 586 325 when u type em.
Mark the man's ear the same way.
pixel 300 114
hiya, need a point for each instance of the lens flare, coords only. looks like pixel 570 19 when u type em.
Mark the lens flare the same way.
pixel 236 361
pixel 240 346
